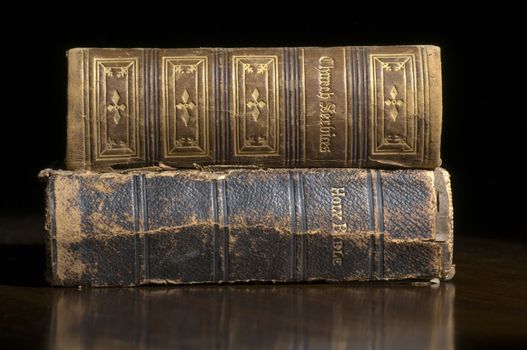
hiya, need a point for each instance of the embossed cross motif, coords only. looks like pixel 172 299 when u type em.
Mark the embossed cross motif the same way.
pixel 393 103
pixel 116 107
pixel 184 106
pixel 255 104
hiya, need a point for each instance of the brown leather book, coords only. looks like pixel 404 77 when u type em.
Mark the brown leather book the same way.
pixel 375 107
pixel 280 225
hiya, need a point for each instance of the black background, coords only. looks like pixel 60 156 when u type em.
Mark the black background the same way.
pixel 484 112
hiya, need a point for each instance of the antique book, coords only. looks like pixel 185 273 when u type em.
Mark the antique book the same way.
pixel 374 107
pixel 139 227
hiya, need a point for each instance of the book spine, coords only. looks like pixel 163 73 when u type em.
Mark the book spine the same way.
pixel 279 225
pixel 374 107
pixel 78 136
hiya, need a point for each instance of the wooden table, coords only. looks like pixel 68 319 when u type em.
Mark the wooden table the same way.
pixel 485 306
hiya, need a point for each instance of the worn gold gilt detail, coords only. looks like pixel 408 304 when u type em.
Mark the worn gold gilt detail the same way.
pixel 185 106
pixel 116 91
pixel 115 143
pixel 186 141
pixel 393 103
pixel 186 69
pixel 256 104
pixel 121 72
pixel 395 67
pixel 262 68
pixel 256 89
pixel 248 68
pixel 116 107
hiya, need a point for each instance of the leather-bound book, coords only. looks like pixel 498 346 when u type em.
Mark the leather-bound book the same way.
pixel 272 225
pixel 366 107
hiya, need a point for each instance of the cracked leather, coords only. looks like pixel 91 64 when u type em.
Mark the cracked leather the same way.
pixel 238 225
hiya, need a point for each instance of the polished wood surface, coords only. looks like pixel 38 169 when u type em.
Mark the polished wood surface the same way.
pixel 485 306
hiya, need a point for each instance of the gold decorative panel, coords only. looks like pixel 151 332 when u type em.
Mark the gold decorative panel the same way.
pixel 116 108
pixel 255 96
pixel 394 95
pixel 185 110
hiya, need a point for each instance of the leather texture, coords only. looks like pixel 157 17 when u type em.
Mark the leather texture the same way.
pixel 239 225
pixel 354 106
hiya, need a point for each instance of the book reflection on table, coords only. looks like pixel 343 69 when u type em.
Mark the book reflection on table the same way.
pixel 255 316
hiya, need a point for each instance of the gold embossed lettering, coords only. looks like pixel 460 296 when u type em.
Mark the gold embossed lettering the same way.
pixel 339 227
pixel 327 109
pixel 337 251
pixel 185 106
pixel 325 65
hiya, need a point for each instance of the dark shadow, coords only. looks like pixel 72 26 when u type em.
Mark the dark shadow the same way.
pixel 22 265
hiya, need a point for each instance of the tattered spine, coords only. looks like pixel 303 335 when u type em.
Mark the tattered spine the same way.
pixel 189 226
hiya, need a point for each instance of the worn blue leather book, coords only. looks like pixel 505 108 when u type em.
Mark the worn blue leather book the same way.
pixel 240 225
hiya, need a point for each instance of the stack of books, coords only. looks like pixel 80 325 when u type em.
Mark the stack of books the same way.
pixel 216 165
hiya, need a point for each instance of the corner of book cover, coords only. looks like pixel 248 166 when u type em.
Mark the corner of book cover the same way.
pixel 74 50
pixel 432 49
